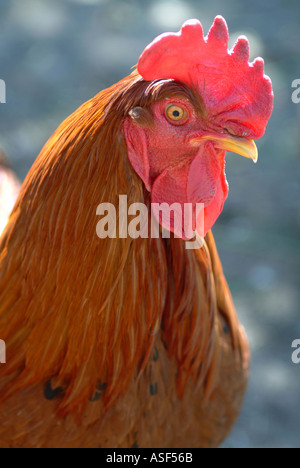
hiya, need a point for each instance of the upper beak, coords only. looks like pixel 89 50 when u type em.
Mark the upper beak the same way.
pixel 237 145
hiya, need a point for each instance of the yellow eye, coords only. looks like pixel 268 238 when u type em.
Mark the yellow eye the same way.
pixel 175 113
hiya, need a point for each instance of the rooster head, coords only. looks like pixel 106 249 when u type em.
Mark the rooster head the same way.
pixel 206 101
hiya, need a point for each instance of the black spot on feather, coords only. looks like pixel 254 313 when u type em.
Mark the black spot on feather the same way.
pixel 100 388
pixel 95 397
pixel 51 394
pixel 153 389
pixel 156 354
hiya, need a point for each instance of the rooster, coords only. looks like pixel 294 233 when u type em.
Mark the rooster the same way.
pixel 131 342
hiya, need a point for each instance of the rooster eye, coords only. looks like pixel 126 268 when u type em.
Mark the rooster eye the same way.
pixel 175 113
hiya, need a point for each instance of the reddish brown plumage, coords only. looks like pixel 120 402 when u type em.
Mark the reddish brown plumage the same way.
pixel 76 310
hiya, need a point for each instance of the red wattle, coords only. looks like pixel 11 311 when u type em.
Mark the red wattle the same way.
pixel 199 182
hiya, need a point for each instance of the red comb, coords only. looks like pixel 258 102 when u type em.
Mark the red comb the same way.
pixel 232 88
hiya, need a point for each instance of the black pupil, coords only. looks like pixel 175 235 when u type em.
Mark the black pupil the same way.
pixel 176 113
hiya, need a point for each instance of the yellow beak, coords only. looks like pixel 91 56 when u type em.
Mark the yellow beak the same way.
pixel 242 146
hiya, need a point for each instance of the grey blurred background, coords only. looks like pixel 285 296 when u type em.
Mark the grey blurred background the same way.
pixel 56 54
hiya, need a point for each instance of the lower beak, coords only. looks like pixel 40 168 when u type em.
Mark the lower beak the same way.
pixel 242 146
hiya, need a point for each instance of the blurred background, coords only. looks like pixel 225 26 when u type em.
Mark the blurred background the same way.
pixel 56 54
